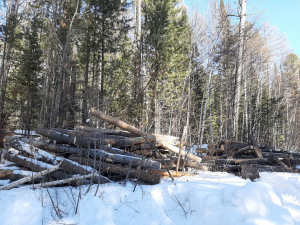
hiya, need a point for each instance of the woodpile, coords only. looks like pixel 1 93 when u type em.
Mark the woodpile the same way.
pixel 248 159
pixel 82 155
pixel 87 155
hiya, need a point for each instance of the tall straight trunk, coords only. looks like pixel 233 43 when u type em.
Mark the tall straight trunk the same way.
pixel 86 80
pixel 239 67
pixel 205 107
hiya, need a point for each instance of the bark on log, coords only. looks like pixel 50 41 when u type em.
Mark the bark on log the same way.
pixel 5 174
pixel 76 179
pixel 255 146
pixel 105 131
pixel 184 153
pixel 225 168
pixel 81 142
pixel 242 150
pixel 75 141
pixel 122 124
pixel 30 178
pixel 124 159
pixel 34 165
pixel 118 170
pixel 67 165
pixel 74 150
pixel 76 133
pixel 100 154
pixel 166 174
pixel 252 171
pixel 201 150
pixel 20 174
pixel 195 165
pixel 207 158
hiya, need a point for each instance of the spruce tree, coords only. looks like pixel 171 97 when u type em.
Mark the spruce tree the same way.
pixel 166 44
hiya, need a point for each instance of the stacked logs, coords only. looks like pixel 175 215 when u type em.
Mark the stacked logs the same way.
pixel 248 159
pixel 86 155
pixel 96 155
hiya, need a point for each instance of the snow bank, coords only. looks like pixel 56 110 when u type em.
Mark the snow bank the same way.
pixel 206 199
pixel 288 186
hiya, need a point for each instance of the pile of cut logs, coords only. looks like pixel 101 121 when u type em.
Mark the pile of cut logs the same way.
pixel 96 156
pixel 87 155
pixel 248 159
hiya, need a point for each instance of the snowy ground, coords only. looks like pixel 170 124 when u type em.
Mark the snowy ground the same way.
pixel 208 198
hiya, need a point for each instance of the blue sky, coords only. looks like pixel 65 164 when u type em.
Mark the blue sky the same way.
pixel 285 14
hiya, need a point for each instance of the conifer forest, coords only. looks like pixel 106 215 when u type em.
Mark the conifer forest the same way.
pixel 214 73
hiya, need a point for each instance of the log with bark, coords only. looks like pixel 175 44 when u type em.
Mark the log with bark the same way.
pixel 118 171
pixel 251 171
pixel 165 173
pixel 100 154
pixel 76 133
pixel 30 178
pixel 76 179
pixel 255 146
pixel 83 142
pixel 105 131
pixel 6 173
pixel 34 165
pixel 73 150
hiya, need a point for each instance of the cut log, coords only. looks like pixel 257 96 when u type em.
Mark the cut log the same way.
pixel 105 131
pixel 82 142
pixel 30 178
pixel 122 124
pixel 184 153
pixel 124 159
pixel 196 165
pixel 201 150
pixel 5 174
pixel 113 170
pixel 20 174
pixel 76 133
pixel 225 168
pixel 255 146
pixel 207 158
pixel 75 141
pixel 74 150
pixel 67 165
pixel 277 161
pixel 242 150
pixel 169 162
pixel 173 173
pixel 34 165
pixel 100 154
pixel 251 171
pixel 76 179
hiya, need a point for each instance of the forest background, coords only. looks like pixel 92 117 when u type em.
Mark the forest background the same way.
pixel 216 73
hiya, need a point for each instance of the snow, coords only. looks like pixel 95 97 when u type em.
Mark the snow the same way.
pixel 23 132
pixel 206 199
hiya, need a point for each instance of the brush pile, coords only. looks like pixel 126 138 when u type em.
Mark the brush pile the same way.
pixel 96 156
